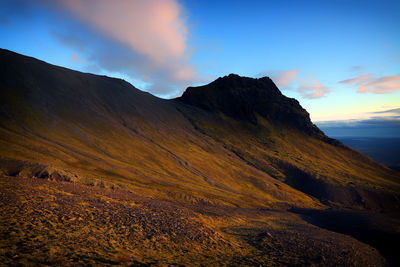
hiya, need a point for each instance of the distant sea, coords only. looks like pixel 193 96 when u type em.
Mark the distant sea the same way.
pixel 377 138
pixel 385 150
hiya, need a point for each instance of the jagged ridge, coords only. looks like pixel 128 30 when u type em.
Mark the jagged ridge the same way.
pixel 243 98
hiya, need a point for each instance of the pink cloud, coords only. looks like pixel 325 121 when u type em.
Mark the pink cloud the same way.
pixel 153 29
pixel 285 78
pixel 312 88
pixel 358 80
pixel 282 78
pixel 377 85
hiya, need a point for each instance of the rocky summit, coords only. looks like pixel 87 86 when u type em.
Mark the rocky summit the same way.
pixel 243 98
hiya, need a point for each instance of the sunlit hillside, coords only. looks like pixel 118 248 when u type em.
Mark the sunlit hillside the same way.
pixel 95 171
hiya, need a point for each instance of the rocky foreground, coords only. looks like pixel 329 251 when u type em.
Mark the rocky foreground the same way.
pixel 45 222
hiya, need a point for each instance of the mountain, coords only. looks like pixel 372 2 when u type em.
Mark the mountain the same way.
pixel 274 134
pixel 244 98
pixel 232 172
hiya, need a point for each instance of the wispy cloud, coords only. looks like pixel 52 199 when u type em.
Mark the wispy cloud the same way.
pixel 151 34
pixel 311 88
pixel 282 78
pixel 370 122
pixel 76 58
pixel 358 80
pixel 141 40
pixel 395 57
pixel 373 84
pixel 358 68
pixel 389 111
pixel 384 113
pixel 154 28
pixel 363 68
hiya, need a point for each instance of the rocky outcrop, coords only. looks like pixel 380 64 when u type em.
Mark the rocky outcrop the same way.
pixel 242 98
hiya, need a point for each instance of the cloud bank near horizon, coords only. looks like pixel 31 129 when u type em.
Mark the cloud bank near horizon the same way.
pixel 384 123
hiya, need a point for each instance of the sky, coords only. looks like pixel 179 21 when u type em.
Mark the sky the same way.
pixel 339 58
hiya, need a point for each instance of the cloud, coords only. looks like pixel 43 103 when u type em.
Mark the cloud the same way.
pixel 358 68
pixel 152 27
pixel 378 126
pixel 282 78
pixel 395 57
pixel 373 84
pixel 311 88
pixel 389 111
pixel 363 68
pixel 76 58
pixel 150 37
pixel 358 80
pixel 379 121
pixel 142 40
pixel 372 127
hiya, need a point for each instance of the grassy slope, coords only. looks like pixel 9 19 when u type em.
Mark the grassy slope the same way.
pixel 129 137
pixel 336 175
pixel 93 130
pixel 60 223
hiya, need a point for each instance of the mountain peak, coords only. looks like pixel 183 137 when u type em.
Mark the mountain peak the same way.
pixel 237 82
pixel 243 98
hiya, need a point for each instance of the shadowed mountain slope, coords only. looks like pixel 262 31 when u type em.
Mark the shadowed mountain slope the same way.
pixel 105 129
pixel 245 144
pixel 243 98
pixel 236 143
pixel 274 134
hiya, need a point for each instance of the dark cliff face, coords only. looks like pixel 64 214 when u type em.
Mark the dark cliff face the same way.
pixel 242 98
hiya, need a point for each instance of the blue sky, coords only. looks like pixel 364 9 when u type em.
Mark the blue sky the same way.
pixel 340 59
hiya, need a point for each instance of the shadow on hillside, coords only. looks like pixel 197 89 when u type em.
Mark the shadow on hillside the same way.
pixel 378 230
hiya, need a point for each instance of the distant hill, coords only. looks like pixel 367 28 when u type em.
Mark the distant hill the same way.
pixel 235 156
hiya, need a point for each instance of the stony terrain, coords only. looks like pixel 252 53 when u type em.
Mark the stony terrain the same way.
pixel 62 223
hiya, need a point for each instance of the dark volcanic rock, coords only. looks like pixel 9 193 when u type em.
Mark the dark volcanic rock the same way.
pixel 242 98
